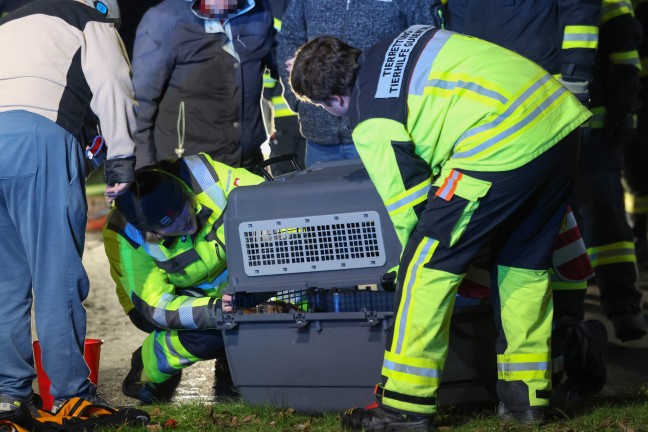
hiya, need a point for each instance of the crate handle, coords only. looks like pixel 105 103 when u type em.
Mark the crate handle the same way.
pixel 290 157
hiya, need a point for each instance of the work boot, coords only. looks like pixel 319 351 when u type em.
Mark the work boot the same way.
pixel 376 418
pixel 629 323
pixel 585 344
pixel 527 415
pixel 13 407
pixel 515 404
pixel 144 391
pixel 93 397
pixel 223 384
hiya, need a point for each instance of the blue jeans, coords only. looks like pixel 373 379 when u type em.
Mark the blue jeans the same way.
pixel 326 153
pixel 43 214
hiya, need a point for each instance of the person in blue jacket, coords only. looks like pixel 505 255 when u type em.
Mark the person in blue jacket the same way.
pixel 198 76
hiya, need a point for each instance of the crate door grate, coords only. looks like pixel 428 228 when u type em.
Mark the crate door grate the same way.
pixel 314 243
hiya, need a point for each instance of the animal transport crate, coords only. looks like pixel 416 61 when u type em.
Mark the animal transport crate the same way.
pixel 321 240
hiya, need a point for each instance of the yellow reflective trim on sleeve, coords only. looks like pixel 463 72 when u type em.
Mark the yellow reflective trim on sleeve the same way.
pixel 615 8
pixel 277 24
pixel 580 37
pixel 636 204
pixel 268 81
pixel 281 108
pixel 626 57
pixel 612 253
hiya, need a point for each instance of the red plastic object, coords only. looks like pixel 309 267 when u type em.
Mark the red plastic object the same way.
pixel 91 354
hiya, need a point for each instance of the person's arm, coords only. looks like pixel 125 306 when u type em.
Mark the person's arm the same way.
pixel 620 37
pixel 579 20
pixel 141 284
pixel 401 177
pixel 152 67
pixel 107 72
pixel 292 36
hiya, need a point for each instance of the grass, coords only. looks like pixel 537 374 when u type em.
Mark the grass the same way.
pixel 623 413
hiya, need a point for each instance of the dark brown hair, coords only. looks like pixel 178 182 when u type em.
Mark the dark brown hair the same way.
pixel 324 67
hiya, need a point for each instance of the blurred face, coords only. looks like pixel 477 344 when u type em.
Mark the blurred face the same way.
pixel 184 224
pixel 218 7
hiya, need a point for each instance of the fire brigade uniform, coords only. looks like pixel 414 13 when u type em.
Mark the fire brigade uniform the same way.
pixel 174 284
pixel 636 156
pixel 562 37
pixel 482 140
pixel 599 201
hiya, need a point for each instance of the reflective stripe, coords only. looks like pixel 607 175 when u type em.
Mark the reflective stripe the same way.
pixel 518 367
pixel 159 311
pixel 516 127
pixel 220 279
pixel 452 85
pixel 411 197
pixel 207 183
pixel 509 111
pixel 446 191
pixel 424 252
pixel 411 370
pixel 613 253
pixel 636 204
pixel 580 37
pixel 182 360
pixel 421 72
pixel 185 314
pixel 277 24
pixel 615 8
pixel 155 251
pixel 626 57
pixel 281 108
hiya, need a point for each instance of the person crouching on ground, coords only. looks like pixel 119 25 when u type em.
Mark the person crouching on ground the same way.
pixel 165 245
pixel 468 144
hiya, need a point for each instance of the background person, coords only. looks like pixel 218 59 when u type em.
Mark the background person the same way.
pixel 360 23
pixel 198 76
pixel 64 82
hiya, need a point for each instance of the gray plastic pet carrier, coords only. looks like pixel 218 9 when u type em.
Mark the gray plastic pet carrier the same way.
pixel 322 241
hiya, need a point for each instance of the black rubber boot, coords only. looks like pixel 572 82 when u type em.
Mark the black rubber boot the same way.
pixel 223 383
pixel 376 418
pixel 147 392
pixel 515 405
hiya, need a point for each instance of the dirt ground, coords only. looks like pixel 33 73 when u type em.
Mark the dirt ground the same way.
pixel 627 362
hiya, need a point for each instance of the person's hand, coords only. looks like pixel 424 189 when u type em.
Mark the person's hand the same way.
pixel 289 64
pixel 113 192
pixel 227 305
pixel 580 89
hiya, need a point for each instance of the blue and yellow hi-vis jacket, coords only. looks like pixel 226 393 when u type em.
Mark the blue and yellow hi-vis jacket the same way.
pixel 428 101
pixel 149 274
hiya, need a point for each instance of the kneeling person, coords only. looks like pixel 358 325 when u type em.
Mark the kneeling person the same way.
pixel 165 245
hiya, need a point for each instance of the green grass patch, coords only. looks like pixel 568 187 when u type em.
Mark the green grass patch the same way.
pixel 623 414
